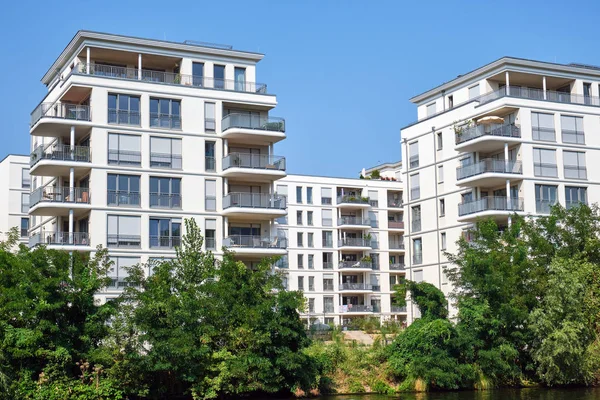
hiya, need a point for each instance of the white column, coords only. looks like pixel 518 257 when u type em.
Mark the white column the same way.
pixel 72 143
pixel 225 185
pixel 225 147
pixel 507 84
pixel 544 86
pixel 71 226
pixel 87 62
pixel 140 66
pixel 506 165
pixel 271 149
pixel 226 228
pixel 508 201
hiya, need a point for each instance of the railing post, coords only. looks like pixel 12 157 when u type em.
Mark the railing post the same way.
pixel 87 64
pixel 544 86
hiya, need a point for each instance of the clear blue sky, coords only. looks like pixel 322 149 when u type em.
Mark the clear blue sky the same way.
pixel 342 71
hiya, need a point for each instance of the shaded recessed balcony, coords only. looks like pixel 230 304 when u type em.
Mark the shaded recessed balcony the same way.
pixel 254 205
pixel 66 240
pixel 57 160
pixel 53 201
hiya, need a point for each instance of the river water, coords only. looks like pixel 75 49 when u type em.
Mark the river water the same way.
pixel 499 394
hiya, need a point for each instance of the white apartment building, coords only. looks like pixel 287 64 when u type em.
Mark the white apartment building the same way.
pixel 512 136
pixel 345 246
pixel 135 135
pixel 14 196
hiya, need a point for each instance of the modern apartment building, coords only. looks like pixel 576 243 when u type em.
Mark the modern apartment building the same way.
pixel 135 135
pixel 14 198
pixel 345 246
pixel 512 136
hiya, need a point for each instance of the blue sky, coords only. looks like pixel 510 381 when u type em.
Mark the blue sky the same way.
pixel 342 71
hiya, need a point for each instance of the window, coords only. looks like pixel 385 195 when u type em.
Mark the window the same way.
pixel 542 127
pixel 326 196
pixel 413 153
pixel 328 301
pixel 572 129
pixel 124 231
pixel 123 190
pixel 450 102
pixel 165 192
pixel 416 218
pixel 165 113
pixel 123 109
pixel 219 76
pixel 300 239
pixel 417 251
pixel 544 162
pixel 311 260
pixel 25 178
pixel 474 91
pixel 311 288
pixel 575 195
pixel 311 302
pixel 442 207
pixel 311 239
pixel 300 261
pixel 165 153
pixel 210 193
pixel 440 141
pixel 443 240
pixel 124 149
pixel 373 196
pixel 209 117
pixel 430 109
pixel 309 195
pixel 326 217
pixel 327 239
pixel 299 194
pixel 298 217
pixel 574 162
pixel 198 74
pixel 210 234
pixel 165 232
pixel 24 203
pixel 119 271
pixel 444 275
pixel 309 218
pixel 545 198
pixel 24 227
pixel 328 261
pixel 440 174
pixel 418 276
pixel 415 188
pixel 587 92
pixel 209 157
pixel 239 75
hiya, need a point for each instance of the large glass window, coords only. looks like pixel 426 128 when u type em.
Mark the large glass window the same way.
pixel 413 153
pixel 123 190
pixel 165 113
pixel 165 153
pixel 574 162
pixel 124 149
pixel 119 271
pixel 430 109
pixel 326 217
pixel 544 162
pixel 25 178
pixel 417 251
pixel 545 197
pixel 24 227
pixel 124 231
pixel 123 109
pixel 165 192
pixel 299 194
pixel 542 127
pixel 327 238
pixel 575 195
pixel 240 79
pixel 210 234
pixel 24 203
pixel 198 73
pixel 309 195
pixel 415 187
pixel 210 200
pixel 219 76
pixel 474 91
pixel 209 157
pixel 572 129
pixel 165 232
pixel 416 218
pixel 209 117
pixel 326 194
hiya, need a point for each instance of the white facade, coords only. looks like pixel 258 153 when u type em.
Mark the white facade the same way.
pixel 512 136
pixel 136 135
pixel 14 196
pixel 346 246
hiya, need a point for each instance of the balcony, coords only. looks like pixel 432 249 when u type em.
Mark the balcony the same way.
pixel 359 287
pixel 495 206
pixel 488 172
pixel 169 78
pixel 52 201
pixel 58 159
pixel 356 222
pixel 61 240
pixel 486 138
pixel 356 243
pixel 539 94
pixel 360 308
pixel 124 241
pixel 253 166
pixel 165 200
pixel 253 128
pixel 164 242
pixel 396 245
pixel 355 265
pixel 122 198
pixel 56 119
pixel 353 201
pixel 398 309
pixel 256 245
pixel 254 205
pixel 397 267
pixel 396 225
pixel 395 202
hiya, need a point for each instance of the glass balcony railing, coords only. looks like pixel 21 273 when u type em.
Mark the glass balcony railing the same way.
pixel 125 157
pixel 352 199
pixel 165 200
pixel 359 286
pixel 124 241
pixel 75 112
pixel 397 267
pixel 489 165
pixel 355 242
pixel 248 121
pixel 490 203
pixel 466 134
pixel 250 241
pixel 254 161
pixel 355 265
pixel 254 200
pixel 165 242
pixel 354 221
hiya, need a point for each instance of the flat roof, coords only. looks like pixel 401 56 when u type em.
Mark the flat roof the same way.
pixel 544 65
pixel 14 155
pixel 84 35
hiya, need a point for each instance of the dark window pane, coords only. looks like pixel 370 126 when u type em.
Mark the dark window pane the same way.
pixel 154 105
pixel 112 101
pixel 112 182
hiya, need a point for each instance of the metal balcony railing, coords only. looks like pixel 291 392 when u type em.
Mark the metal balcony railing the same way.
pixel 358 286
pixel 165 200
pixel 250 241
pixel 124 157
pixel 397 267
pixel 538 94
pixel 395 203
pixel 473 132
pixel 124 241
pixel 247 121
pixel 490 203
pixel 124 117
pixel 352 199
pixel 255 200
pixel 166 121
pixel 489 165
pixel 349 308
pixel 355 242
pixel 328 286
pixel 59 238
pixel 74 112
pixel 170 78
pixel 354 265
pixel 255 161
pixel 50 194
pixel 123 198
pixel 354 221
pixel 396 224
pixel 165 160
pixel 60 153
pixel 396 244
pixel 398 309
pixel 167 242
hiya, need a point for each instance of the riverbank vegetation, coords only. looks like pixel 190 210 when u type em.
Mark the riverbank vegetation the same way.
pixel 527 304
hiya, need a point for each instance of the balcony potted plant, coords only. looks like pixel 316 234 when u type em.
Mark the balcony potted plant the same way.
pixel 366 259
